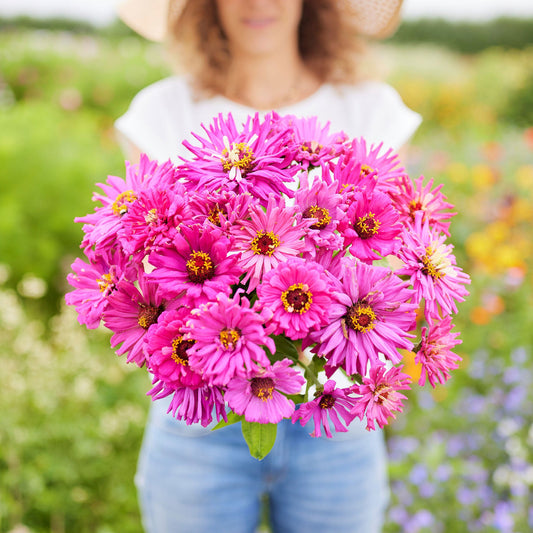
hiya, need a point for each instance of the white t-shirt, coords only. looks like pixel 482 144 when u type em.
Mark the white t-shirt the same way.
pixel 163 114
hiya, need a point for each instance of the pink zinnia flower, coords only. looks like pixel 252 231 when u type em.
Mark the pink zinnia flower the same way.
pixel 430 264
pixel 435 352
pixel 259 397
pixel 371 226
pixel 191 404
pixel 168 350
pixel 94 283
pixel 311 142
pixel 411 198
pixel 331 404
pixel 379 395
pixel 224 209
pixel 320 202
pixel 370 314
pixel 101 227
pixel 130 314
pixel 384 168
pixel 298 294
pixel 197 263
pixel 251 160
pixel 269 238
pixel 229 337
pixel 153 220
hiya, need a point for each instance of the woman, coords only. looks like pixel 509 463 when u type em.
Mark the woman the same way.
pixel 239 56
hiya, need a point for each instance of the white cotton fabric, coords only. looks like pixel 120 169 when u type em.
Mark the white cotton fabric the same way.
pixel 163 114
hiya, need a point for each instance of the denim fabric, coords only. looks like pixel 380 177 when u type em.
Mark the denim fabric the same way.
pixel 192 480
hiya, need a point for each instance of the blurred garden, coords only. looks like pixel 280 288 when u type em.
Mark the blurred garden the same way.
pixel 73 414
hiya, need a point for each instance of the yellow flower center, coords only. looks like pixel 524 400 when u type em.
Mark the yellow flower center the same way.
pixel 436 262
pixel 320 213
pixel 239 155
pixel 327 401
pixel 297 298
pixel 122 202
pixel 366 170
pixel 360 317
pixel 367 226
pixel 200 267
pixel 179 350
pixel 105 283
pixel 262 388
pixel 265 243
pixel 229 338
pixel 148 315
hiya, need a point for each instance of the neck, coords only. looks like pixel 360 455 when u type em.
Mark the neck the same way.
pixel 267 82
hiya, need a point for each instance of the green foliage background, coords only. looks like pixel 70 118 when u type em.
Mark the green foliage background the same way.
pixel 72 415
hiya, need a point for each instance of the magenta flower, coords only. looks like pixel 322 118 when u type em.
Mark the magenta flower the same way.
pixel 320 202
pixel 223 209
pixel 197 263
pixel 153 220
pixel 371 226
pixel 370 315
pixel 230 340
pixel 259 397
pixel 411 198
pixel 330 404
pixel 298 294
pixel 384 168
pixel 269 238
pixel 251 160
pixel 168 350
pixel 191 404
pixel 430 264
pixel 130 314
pixel 435 352
pixel 94 283
pixel 379 395
pixel 102 226
pixel 311 142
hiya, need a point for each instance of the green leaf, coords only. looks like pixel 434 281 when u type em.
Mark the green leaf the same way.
pixel 259 437
pixel 285 348
pixel 232 419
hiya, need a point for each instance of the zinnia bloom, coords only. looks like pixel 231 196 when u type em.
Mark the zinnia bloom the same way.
pixel 153 220
pixel 379 395
pixel 259 397
pixel 130 314
pixel 384 168
pixel 168 350
pixel 319 201
pixel 430 264
pixel 102 226
pixel 197 263
pixel 435 352
pixel 191 404
pixel 251 160
pixel 371 226
pixel 229 337
pixel 311 142
pixel 269 238
pixel 411 198
pixel 330 404
pixel 298 294
pixel 95 282
pixel 370 314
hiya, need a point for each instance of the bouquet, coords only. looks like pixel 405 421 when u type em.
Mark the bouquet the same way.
pixel 281 271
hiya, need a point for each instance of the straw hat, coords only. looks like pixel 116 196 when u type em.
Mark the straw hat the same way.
pixel 372 18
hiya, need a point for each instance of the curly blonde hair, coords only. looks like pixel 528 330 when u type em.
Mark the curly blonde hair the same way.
pixel 328 44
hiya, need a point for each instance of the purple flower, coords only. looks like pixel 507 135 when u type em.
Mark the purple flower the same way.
pixel 229 337
pixel 370 314
pixel 259 397
pixel 330 404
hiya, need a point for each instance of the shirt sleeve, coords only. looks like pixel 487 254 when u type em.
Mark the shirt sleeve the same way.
pixel 385 116
pixel 153 119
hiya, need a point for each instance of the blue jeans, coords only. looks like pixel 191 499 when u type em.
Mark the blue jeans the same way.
pixel 193 480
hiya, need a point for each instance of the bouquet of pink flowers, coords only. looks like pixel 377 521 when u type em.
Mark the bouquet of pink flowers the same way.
pixel 278 272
